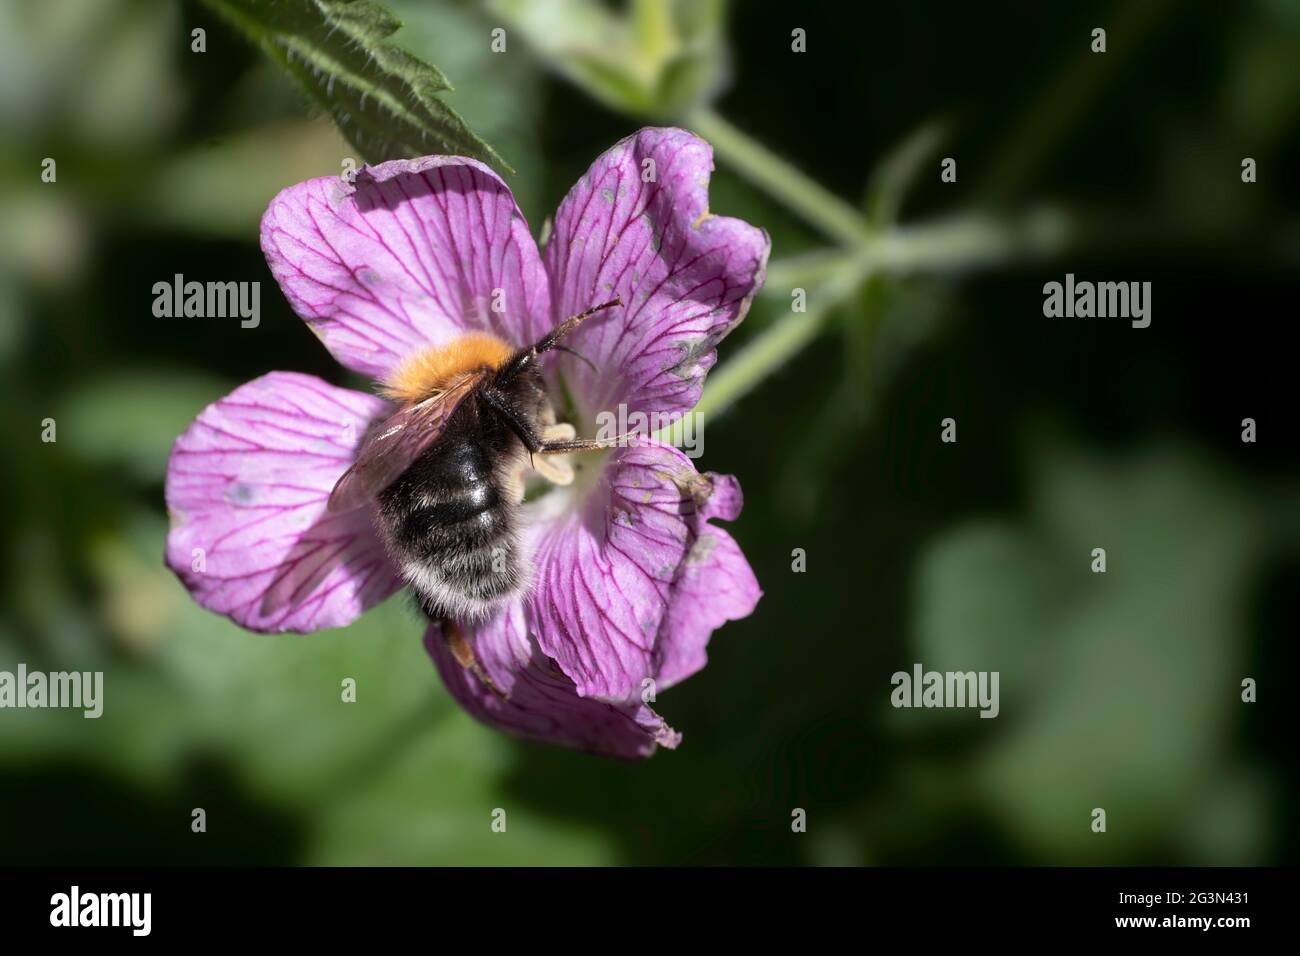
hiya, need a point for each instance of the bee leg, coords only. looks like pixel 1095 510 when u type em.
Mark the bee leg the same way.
pixel 464 654
pixel 557 471
pixel 533 439
pixel 579 444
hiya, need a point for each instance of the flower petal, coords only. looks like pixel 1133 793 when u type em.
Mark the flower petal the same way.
pixel 715 585
pixel 632 581
pixel 246 490
pixel 685 277
pixel 540 702
pixel 413 253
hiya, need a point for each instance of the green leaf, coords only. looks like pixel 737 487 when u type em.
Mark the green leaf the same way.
pixel 383 98
pixel 1119 690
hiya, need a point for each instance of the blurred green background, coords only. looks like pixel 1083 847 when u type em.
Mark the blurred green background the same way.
pixel 1119 691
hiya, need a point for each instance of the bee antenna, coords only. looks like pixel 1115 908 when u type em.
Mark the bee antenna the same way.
pixel 549 340
pixel 565 348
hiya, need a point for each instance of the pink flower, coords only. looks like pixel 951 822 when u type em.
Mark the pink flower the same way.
pixel 629 575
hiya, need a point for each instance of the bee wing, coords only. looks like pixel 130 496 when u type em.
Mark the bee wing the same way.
pixel 395 444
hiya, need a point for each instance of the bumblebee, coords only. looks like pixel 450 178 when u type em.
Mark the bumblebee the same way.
pixel 445 472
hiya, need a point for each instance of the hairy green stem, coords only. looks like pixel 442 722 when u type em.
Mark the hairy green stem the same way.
pixel 829 277
pixel 948 246
pixel 771 348
pixel 774 346
pixel 754 161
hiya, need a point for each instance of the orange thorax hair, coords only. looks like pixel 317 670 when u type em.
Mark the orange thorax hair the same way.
pixel 438 367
